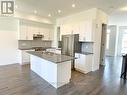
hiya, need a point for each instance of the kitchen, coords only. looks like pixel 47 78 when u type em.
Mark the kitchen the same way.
pixel 79 42
pixel 31 50
pixel 61 53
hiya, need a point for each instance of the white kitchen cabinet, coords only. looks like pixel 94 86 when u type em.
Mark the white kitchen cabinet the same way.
pixel 70 29
pixel 22 33
pixel 76 28
pixel 46 33
pixel 26 31
pixel 83 63
pixel 65 30
pixel 24 57
pixel 58 51
pixel 30 33
pixel 82 33
pixel 85 33
pixel 83 28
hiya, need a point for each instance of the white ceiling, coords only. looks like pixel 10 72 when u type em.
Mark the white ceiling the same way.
pixel 44 7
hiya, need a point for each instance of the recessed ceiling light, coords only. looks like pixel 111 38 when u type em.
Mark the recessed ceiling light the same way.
pixel 59 11
pixel 123 9
pixel 49 15
pixel 73 5
pixel 35 11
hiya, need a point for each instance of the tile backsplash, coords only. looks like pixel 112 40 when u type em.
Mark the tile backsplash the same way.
pixel 24 44
pixel 87 47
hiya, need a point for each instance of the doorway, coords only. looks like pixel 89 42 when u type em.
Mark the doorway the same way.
pixel 103 44
pixel 122 41
pixel 111 40
pixel 108 42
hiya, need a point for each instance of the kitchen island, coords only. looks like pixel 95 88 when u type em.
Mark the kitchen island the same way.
pixel 54 68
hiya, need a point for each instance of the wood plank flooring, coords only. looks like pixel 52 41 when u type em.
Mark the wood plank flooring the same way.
pixel 20 80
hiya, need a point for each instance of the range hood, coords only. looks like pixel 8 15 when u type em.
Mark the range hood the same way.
pixel 38 36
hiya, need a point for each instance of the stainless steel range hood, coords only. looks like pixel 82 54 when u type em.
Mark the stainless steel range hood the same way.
pixel 38 36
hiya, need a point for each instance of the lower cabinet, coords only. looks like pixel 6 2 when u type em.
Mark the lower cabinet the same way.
pixel 83 63
pixel 24 57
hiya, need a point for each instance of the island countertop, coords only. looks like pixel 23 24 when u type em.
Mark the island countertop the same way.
pixel 52 57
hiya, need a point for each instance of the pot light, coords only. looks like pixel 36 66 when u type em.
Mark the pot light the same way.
pixel 49 15
pixel 35 11
pixel 73 5
pixel 123 9
pixel 59 11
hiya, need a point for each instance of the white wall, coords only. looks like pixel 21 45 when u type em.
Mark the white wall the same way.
pixel 8 40
pixel 97 17
pixel 118 19
pixel 101 17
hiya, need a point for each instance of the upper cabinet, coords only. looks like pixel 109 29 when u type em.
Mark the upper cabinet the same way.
pixel 84 29
pixel 27 30
pixel 22 33
pixel 66 29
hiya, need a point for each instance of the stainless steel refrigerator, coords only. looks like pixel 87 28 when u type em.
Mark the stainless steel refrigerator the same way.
pixel 70 45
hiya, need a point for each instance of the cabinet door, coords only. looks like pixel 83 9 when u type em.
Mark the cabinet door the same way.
pixel 82 29
pixel 23 33
pixel 83 63
pixel 89 31
pixel 66 29
pixel 46 33
pixel 77 60
pixel 80 62
pixel 76 28
pixel 30 32
pixel 58 51
pixel 88 64
pixel 25 57
pixel 85 31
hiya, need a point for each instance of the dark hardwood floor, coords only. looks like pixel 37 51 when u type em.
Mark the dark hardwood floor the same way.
pixel 17 80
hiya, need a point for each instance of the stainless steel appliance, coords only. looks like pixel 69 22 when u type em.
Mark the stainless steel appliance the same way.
pixel 38 48
pixel 70 45
pixel 37 36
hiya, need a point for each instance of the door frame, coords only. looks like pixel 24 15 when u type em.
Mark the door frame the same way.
pixel 103 44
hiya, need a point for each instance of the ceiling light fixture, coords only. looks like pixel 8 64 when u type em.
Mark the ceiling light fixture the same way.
pixel 35 11
pixel 73 5
pixel 59 11
pixel 123 9
pixel 49 15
